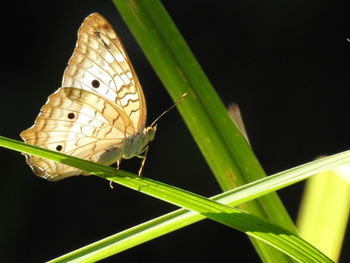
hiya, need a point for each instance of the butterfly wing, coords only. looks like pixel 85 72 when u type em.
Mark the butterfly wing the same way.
pixel 78 123
pixel 101 65
pixel 100 105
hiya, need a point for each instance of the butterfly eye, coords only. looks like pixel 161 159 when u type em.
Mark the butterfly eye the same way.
pixel 95 83
pixel 71 115
pixel 59 148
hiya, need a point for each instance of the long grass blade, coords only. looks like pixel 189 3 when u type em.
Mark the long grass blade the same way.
pixel 225 149
pixel 269 233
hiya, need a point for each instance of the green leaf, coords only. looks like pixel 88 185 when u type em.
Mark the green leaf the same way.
pixel 326 202
pixel 181 218
pixel 269 233
pixel 226 151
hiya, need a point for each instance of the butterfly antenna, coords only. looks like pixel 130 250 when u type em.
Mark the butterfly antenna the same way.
pixel 161 115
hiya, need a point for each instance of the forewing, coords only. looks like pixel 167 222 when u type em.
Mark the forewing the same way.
pixel 78 123
pixel 100 64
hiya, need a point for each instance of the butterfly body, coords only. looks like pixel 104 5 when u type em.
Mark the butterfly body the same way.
pixel 134 146
pixel 99 114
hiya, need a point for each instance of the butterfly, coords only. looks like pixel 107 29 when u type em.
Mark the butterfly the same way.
pixel 99 113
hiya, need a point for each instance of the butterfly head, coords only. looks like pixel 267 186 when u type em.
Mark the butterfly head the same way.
pixel 150 132
pixel 145 137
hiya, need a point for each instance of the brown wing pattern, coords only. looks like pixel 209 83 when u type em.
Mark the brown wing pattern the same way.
pixel 79 123
pixel 100 64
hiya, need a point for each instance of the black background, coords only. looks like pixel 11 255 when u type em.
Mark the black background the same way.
pixel 285 63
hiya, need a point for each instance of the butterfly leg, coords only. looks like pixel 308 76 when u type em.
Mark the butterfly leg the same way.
pixel 111 182
pixel 143 157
